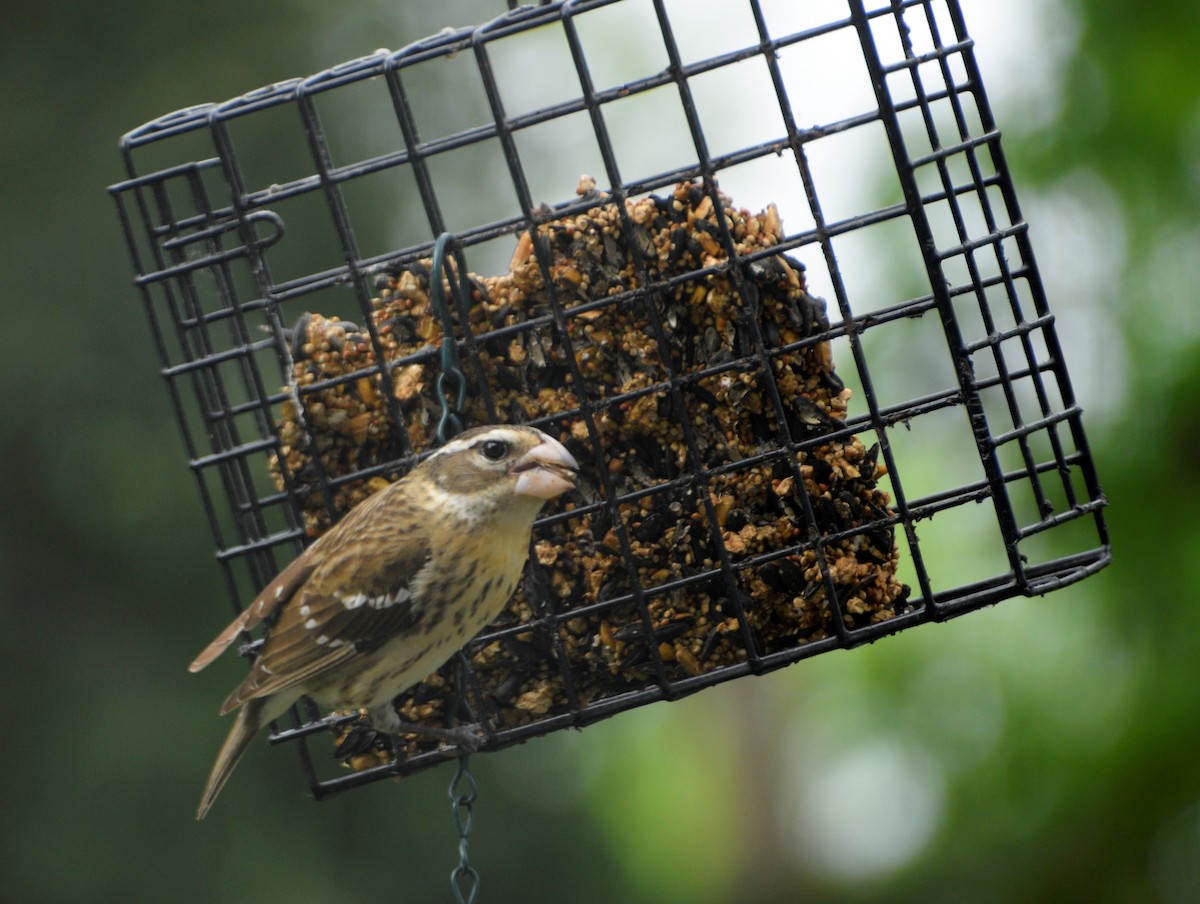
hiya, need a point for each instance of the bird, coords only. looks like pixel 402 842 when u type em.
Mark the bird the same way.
pixel 396 587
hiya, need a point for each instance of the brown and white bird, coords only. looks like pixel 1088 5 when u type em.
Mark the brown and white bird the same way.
pixel 396 587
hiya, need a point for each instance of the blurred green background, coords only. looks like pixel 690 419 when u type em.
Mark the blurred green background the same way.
pixel 1041 750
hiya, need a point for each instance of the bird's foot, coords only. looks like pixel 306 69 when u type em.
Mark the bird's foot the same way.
pixel 376 725
pixel 467 738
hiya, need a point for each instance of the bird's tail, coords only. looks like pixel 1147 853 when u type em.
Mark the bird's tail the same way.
pixel 249 720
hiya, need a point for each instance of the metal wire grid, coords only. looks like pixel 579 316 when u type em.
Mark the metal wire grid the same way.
pixel 204 239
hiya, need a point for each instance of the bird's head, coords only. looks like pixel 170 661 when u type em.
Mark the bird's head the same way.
pixel 502 461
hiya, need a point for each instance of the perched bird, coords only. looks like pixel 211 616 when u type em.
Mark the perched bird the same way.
pixel 396 587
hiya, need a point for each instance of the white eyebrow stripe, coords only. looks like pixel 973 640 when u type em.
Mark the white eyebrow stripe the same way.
pixel 503 432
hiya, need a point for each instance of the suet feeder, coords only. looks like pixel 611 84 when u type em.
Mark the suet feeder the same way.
pixel 767 474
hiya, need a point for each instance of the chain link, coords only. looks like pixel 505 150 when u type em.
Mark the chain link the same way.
pixel 452 385
pixel 464 879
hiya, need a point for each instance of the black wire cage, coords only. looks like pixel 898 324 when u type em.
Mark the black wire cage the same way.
pixel 766 475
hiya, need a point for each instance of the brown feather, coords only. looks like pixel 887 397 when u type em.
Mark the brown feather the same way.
pixel 291 654
pixel 249 721
pixel 274 595
pixel 259 684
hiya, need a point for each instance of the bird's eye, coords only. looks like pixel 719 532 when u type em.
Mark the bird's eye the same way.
pixel 494 449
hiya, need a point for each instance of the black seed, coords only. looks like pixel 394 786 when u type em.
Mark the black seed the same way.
pixel 298 335
pixel 613 250
pixel 523 651
pixel 772 576
pixel 479 293
pixel 509 379
pixel 611 589
pixel 793 576
pixel 643 241
pixel 736 520
pixel 560 237
pixel 703 396
pixel 404 328
pixel 679 240
pixel 638 654
pixel 509 687
pixel 651 528
pixel 359 739
pixel 628 632
pixel 816 309
pixel 636 630
pixel 822 471
pixel 673 629
pixel 827 514
pixel 883 539
pixel 831 381
pixel 869 465
pixel 543 638
pixel 800 315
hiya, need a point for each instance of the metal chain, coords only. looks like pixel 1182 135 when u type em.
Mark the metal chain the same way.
pixel 464 879
pixel 452 384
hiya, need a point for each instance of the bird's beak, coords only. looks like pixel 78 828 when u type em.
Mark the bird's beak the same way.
pixel 545 471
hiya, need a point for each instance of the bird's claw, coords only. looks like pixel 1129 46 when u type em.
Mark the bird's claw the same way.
pixel 363 736
pixel 467 738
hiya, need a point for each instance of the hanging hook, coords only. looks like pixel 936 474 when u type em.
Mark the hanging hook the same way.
pixel 451 381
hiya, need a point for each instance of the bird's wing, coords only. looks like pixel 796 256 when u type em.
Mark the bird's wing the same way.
pixel 274 595
pixel 323 625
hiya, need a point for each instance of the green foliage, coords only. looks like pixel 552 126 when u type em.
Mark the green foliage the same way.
pixel 1132 103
